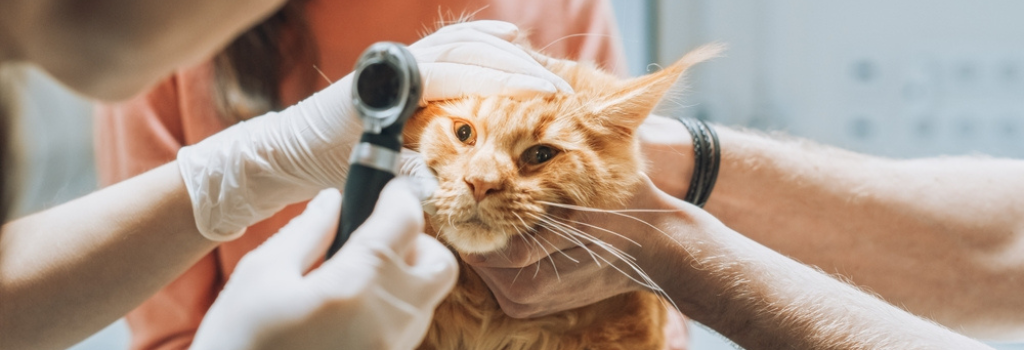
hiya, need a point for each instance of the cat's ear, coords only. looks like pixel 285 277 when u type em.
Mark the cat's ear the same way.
pixel 630 102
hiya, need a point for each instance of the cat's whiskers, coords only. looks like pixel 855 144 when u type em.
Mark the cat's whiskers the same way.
pixel 507 249
pixel 606 246
pixel 558 250
pixel 605 230
pixel 620 212
pixel 557 230
pixel 599 210
pixel 549 258
pixel 646 282
pixel 516 277
pixel 520 234
pixel 528 227
pixel 530 251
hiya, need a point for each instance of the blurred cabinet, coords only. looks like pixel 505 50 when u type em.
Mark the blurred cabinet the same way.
pixel 896 78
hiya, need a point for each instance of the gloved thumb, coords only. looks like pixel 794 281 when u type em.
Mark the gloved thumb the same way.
pixel 301 243
pixel 387 234
pixel 433 271
pixel 406 262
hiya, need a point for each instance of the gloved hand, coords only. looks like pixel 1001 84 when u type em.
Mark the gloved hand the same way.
pixel 378 292
pixel 253 169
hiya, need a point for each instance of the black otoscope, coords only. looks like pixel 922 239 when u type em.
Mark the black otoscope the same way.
pixel 386 92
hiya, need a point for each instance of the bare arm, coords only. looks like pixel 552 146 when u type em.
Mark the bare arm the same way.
pixel 69 271
pixel 755 296
pixel 763 300
pixel 941 237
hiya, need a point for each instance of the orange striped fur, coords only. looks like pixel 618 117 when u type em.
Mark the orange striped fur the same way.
pixel 597 164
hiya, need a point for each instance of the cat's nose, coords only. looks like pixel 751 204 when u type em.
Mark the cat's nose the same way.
pixel 481 188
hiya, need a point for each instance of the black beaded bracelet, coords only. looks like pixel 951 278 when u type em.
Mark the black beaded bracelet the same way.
pixel 707 155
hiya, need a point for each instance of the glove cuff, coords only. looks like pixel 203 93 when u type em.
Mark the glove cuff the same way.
pixel 232 185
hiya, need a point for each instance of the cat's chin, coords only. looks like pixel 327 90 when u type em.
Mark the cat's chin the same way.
pixel 474 237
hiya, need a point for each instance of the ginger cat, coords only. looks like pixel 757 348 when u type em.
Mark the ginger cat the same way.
pixel 499 159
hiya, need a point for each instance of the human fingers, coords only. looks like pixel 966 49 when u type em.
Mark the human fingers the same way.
pixel 395 221
pixel 549 286
pixel 482 49
pixel 499 29
pixel 451 80
pixel 450 35
pixel 386 235
pixel 300 243
pixel 475 44
pixel 524 75
pixel 424 276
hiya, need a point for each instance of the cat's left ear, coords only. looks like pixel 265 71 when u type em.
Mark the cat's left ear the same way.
pixel 630 103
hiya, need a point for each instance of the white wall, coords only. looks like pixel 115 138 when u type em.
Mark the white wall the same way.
pixel 56 127
pixel 897 78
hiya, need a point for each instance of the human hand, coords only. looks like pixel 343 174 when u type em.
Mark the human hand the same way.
pixel 254 168
pixel 668 148
pixel 593 256
pixel 378 292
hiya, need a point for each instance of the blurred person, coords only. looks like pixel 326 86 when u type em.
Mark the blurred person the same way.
pixel 69 271
pixel 278 63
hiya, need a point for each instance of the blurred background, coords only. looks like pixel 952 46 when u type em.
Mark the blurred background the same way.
pixel 896 78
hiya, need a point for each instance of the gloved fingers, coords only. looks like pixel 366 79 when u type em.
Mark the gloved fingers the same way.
pixel 396 220
pixel 498 55
pixel 500 29
pixel 301 243
pixel 421 279
pixel 454 35
pixel 387 234
pixel 430 274
pixel 425 50
pixel 451 80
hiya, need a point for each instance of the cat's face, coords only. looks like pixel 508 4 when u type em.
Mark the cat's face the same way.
pixel 499 159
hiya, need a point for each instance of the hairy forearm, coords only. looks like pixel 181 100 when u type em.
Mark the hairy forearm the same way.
pixel 71 270
pixel 938 236
pixel 763 300
pixel 941 237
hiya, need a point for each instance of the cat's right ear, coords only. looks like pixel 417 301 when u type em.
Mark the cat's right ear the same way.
pixel 632 101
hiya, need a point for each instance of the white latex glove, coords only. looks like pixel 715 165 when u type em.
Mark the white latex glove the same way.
pixel 253 169
pixel 378 292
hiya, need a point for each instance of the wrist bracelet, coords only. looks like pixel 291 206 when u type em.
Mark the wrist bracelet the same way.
pixel 707 156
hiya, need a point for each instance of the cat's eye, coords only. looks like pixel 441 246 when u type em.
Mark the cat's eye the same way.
pixel 465 133
pixel 538 154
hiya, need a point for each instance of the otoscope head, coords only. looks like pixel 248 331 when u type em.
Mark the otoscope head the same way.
pixel 386 92
pixel 387 87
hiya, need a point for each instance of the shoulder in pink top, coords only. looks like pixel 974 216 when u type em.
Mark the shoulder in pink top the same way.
pixel 147 131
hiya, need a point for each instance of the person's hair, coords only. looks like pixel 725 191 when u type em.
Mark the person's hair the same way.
pixel 249 71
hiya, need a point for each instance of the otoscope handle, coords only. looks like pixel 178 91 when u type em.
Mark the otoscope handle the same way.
pixel 360 196
pixel 386 91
